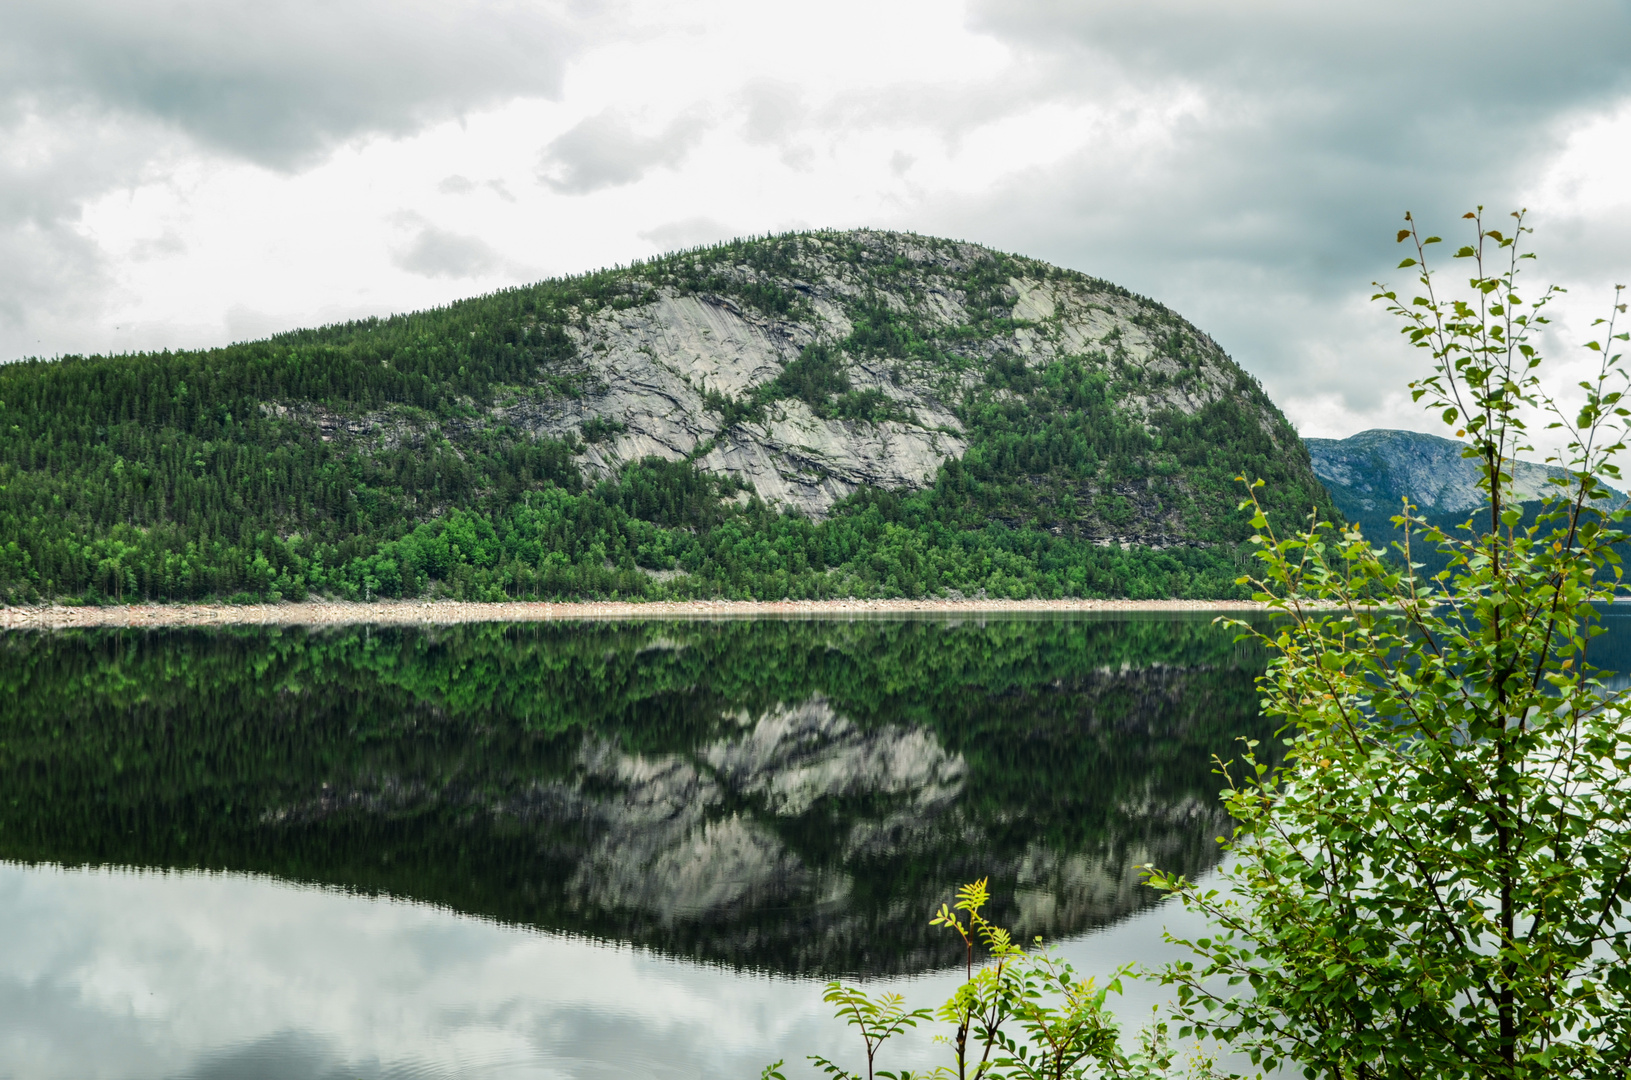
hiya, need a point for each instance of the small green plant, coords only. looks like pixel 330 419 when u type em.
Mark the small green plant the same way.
pixel 1021 1014
pixel 878 1019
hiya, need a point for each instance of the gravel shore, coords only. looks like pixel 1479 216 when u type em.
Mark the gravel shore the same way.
pixel 448 612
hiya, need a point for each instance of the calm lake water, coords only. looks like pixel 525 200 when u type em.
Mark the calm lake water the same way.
pixel 583 850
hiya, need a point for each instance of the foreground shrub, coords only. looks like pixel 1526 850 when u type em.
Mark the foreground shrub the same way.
pixel 1434 883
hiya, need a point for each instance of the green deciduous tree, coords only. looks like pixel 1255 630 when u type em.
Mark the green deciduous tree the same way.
pixel 1435 881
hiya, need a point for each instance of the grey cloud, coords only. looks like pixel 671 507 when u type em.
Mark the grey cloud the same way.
pixel 163 246
pixel 604 151
pixel 1320 117
pixel 950 106
pixel 99 94
pixel 277 81
pixel 1596 249
pixel 438 253
pixel 463 185
pixel 49 277
pixel 245 323
pixel 1467 48
pixel 1266 214
pixel 775 114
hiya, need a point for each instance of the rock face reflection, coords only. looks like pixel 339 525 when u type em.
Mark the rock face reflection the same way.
pixel 789 796
pixel 794 756
pixel 681 836
pixel 667 847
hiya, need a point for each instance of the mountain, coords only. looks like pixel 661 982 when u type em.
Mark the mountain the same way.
pixel 819 414
pixel 1368 473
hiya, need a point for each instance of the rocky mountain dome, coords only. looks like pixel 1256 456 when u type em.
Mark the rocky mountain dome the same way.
pixel 819 414
pixel 810 367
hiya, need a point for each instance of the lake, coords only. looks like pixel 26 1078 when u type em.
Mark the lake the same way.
pixel 590 849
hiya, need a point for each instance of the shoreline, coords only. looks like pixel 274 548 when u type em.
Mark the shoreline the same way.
pixel 454 612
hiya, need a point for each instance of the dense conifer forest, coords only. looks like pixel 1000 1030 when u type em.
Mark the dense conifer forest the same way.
pixel 238 473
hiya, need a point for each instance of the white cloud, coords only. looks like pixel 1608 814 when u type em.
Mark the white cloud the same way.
pixel 687 233
pixel 432 251
pixel 437 252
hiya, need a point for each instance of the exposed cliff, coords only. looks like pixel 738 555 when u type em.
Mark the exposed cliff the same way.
pixel 810 367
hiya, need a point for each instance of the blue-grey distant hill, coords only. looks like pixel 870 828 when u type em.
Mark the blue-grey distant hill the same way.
pixel 1369 473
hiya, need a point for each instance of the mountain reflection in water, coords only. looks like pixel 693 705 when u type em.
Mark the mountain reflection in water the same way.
pixel 791 796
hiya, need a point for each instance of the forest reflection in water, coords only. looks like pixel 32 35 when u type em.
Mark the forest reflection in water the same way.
pixel 788 796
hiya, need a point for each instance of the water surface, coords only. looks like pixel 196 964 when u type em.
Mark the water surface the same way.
pixel 582 850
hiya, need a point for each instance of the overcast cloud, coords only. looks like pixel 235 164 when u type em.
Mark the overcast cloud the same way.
pixel 171 167
pixel 279 81
pixel 1315 128
pixel 606 151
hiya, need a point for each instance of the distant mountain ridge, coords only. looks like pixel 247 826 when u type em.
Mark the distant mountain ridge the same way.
pixel 1368 473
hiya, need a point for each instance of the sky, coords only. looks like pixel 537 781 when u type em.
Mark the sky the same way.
pixel 184 174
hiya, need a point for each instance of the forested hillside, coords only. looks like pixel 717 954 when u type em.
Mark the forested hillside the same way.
pixel 824 414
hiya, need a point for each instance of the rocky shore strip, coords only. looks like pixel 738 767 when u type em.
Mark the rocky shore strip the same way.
pixel 450 612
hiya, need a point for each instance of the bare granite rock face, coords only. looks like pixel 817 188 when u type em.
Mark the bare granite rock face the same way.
pixel 801 460
pixel 652 368
pixel 661 371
